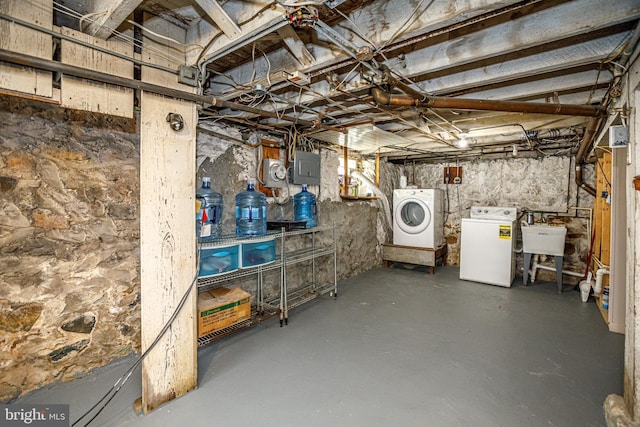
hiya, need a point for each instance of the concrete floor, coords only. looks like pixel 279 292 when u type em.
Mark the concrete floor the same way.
pixel 398 347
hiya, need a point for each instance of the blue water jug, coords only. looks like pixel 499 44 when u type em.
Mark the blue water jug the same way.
pixel 208 211
pixel 305 207
pixel 251 212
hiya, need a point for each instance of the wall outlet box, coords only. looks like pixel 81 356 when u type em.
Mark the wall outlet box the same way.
pixel 188 75
pixel 618 136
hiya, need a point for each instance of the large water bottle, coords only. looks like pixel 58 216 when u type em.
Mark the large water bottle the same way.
pixel 305 208
pixel 208 211
pixel 251 212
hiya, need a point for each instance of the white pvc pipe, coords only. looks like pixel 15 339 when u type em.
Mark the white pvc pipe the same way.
pixel 534 268
pixel 599 275
pixel 570 273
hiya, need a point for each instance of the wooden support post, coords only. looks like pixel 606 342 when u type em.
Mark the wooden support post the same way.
pixel 345 176
pixel 167 248
pixel 167 231
pixel 378 168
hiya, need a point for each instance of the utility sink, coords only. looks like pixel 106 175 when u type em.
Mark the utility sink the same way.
pixel 544 239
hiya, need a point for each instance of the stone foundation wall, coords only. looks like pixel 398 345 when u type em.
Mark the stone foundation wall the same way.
pixel 69 237
pixel 229 163
pixel 545 185
pixel 69 243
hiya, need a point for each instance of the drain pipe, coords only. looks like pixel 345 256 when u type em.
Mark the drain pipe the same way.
pixel 599 276
pixel 587 140
pixel 536 265
pixel 387 99
pixel 595 112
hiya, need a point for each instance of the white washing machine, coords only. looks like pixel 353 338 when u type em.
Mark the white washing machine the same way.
pixel 487 245
pixel 418 217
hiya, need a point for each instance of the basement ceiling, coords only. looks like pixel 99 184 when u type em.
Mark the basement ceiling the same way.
pixel 320 63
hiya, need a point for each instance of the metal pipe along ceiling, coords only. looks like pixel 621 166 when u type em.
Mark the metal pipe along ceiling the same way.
pixel 486 105
pixel 594 112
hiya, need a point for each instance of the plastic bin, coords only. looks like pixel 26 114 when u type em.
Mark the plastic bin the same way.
pixel 258 252
pixel 218 260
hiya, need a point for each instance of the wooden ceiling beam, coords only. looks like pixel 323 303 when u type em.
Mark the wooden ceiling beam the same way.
pixel 107 15
pixel 214 10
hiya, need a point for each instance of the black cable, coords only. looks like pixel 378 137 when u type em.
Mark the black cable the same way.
pixel 117 386
pixel 604 175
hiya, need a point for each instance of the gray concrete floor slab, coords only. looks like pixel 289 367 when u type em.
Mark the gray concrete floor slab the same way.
pixel 397 347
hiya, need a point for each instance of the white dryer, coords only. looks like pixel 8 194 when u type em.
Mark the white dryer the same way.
pixel 418 217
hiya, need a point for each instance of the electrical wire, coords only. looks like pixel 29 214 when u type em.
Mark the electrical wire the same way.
pixel 348 75
pixel 302 3
pixel 143 28
pixel 83 17
pixel 118 35
pixel 201 61
pixel 356 29
pixel 402 27
pixel 117 386
pixel 604 175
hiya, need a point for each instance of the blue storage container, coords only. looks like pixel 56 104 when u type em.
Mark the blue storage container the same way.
pixel 218 259
pixel 258 252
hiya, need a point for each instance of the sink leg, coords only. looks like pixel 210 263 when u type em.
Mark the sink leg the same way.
pixel 558 260
pixel 527 266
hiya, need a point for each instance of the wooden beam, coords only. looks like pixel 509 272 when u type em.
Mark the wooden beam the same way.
pixel 345 175
pixel 83 94
pixel 220 17
pixel 107 15
pixel 378 168
pixel 27 41
pixel 296 46
pixel 167 249
pixel 167 237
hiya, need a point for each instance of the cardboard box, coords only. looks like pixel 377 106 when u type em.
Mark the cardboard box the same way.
pixel 222 307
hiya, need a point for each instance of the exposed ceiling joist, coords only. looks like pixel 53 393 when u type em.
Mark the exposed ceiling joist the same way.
pixel 213 9
pixel 296 46
pixel 547 52
pixel 107 15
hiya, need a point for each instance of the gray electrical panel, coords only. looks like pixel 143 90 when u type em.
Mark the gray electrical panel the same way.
pixel 306 168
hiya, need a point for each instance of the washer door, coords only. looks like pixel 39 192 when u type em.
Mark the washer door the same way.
pixel 413 216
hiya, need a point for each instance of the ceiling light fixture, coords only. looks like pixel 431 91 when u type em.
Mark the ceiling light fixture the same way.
pixel 462 140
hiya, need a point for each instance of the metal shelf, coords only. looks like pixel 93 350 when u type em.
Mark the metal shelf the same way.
pixel 307 293
pixel 278 304
pixel 306 254
pixel 232 239
pixel 207 283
